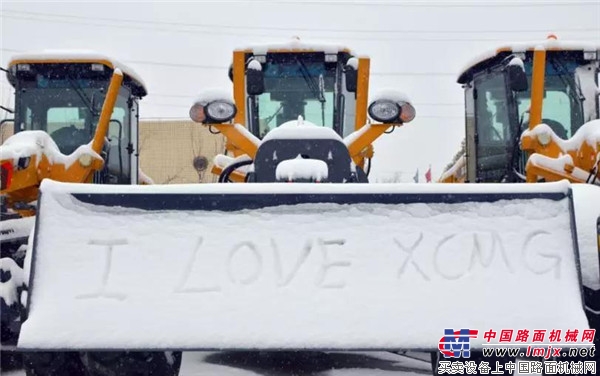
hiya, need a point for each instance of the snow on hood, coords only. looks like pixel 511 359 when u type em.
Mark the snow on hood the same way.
pixel 589 132
pixel 38 143
pixel 85 55
pixel 301 129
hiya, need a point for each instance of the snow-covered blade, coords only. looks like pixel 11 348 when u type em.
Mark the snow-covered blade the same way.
pixel 298 266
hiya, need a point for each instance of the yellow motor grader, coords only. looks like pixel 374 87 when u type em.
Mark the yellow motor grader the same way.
pixel 75 120
pixel 532 115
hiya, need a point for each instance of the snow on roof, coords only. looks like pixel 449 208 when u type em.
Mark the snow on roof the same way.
pixel 301 129
pixel 38 143
pixel 76 56
pixel 548 44
pixel 296 44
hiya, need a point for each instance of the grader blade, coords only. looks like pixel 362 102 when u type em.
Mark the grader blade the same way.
pixel 299 266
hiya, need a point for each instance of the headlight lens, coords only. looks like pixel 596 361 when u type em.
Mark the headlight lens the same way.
pixel 384 111
pixel 220 111
pixel 407 112
pixel 197 113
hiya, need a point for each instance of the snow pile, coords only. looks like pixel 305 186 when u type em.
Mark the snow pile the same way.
pixel 299 276
pixel 79 56
pixel 38 143
pixel 212 95
pixel 8 289
pixel 301 168
pixel 301 129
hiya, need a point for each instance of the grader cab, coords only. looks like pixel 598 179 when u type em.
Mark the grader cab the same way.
pixel 532 115
pixel 75 120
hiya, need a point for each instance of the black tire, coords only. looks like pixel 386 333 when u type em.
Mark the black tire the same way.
pixel 10 360
pixel 53 364
pixel 132 363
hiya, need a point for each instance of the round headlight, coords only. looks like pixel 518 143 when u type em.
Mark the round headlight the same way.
pixel 407 112
pixel 197 113
pixel 384 111
pixel 220 111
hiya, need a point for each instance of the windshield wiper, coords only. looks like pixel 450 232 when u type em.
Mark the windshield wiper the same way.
pixel 569 82
pixel 82 96
pixel 318 90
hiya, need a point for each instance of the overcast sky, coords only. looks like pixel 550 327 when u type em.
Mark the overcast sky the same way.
pixel 417 47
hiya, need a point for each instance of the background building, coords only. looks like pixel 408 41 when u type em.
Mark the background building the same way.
pixel 171 151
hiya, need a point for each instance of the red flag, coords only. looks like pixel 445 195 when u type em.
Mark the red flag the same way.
pixel 428 175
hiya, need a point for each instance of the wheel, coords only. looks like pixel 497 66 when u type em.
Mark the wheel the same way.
pixel 11 277
pixel 132 363
pixel 53 364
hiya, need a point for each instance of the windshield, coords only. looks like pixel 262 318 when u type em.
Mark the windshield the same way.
pixel 562 108
pixel 297 85
pixel 69 110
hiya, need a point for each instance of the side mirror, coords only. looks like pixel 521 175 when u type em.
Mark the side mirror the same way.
pixel 351 73
pixel 255 82
pixel 517 79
